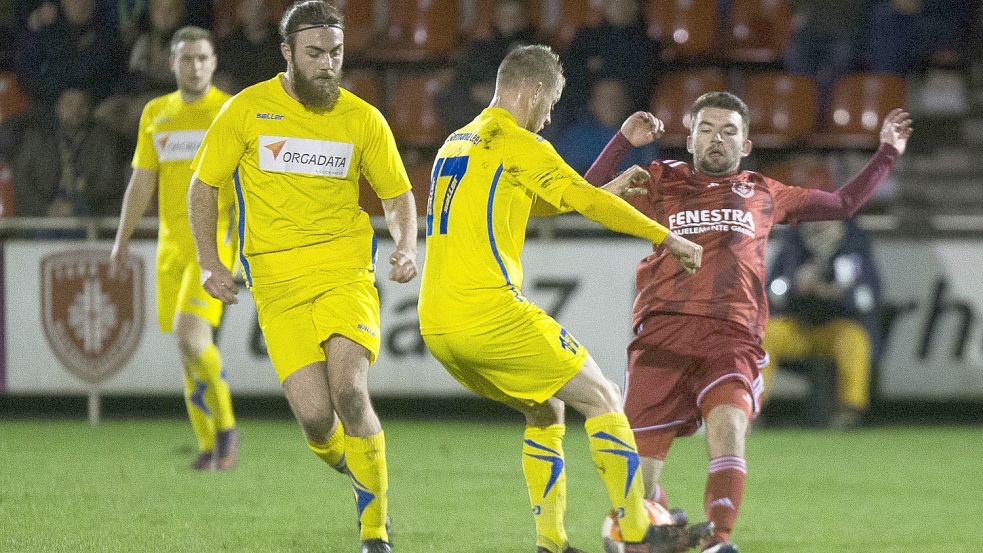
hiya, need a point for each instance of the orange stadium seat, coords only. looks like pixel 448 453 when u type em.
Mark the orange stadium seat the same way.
pixel 484 17
pixel 684 28
pixel 574 15
pixel 417 30
pixel 858 106
pixel 782 108
pixel 12 99
pixel 675 95
pixel 411 109
pixel 420 179
pixel 758 32
pixel 359 24
pixel 364 83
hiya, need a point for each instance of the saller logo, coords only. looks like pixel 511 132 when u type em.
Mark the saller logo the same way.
pixel 92 314
pixel 284 154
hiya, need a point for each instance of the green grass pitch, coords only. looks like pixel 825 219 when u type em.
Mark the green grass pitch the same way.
pixel 457 486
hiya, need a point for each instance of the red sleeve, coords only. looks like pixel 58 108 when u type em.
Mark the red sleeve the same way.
pixel 602 171
pixel 844 202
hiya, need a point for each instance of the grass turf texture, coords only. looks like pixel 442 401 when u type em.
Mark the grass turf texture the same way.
pixel 456 486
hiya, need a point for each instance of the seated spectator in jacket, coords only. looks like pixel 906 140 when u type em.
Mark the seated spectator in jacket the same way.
pixel 473 84
pixel 824 293
pixel 907 34
pixel 826 41
pixel 67 164
pixel 65 46
pixel 582 142
pixel 619 48
pixel 251 54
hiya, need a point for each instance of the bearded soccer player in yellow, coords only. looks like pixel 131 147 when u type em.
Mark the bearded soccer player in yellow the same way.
pixel 488 178
pixel 171 129
pixel 295 147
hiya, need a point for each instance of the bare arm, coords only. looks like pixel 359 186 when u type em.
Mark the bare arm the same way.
pixel 139 193
pixel 401 220
pixel 203 216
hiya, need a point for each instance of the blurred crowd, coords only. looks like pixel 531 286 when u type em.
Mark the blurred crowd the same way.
pixel 86 68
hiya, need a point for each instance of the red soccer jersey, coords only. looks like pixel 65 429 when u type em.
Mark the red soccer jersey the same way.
pixel 731 218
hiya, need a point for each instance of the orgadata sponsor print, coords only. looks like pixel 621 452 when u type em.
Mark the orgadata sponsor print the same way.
pixel 304 156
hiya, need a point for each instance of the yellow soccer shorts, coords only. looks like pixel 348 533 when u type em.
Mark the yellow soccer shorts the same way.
pixel 522 361
pixel 179 287
pixel 299 314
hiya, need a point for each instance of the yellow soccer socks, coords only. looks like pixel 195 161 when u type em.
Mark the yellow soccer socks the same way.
pixel 198 412
pixel 546 479
pixel 208 368
pixel 332 451
pixel 612 447
pixel 366 458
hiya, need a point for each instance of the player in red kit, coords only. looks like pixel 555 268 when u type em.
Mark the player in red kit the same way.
pixel 696 353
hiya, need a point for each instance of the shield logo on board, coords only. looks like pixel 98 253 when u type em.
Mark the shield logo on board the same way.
pixel 92 314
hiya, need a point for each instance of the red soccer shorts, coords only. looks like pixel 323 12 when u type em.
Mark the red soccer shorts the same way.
pixel 674 362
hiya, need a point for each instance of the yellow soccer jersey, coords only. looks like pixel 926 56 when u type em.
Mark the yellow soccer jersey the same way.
pixel 484 181
pixel 170 133
pixel 296 175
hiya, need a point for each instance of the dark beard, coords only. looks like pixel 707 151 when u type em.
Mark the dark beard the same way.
pixel 314 96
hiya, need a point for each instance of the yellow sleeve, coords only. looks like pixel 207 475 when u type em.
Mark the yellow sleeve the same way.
pixel 381 164
pixel 533 163
pixel 145 155
pixel 540 208
pixel 615 214
pixel 222 148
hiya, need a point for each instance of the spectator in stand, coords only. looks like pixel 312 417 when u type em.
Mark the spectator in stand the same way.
pixel 473 85
pixel 149 70
pixel 825 42
pixel 619 48
pixel 67 164
pixel 905 34
pixel 824 293
pixel 65 47
pixel 150 57
pixel 582 142
pixel 251 54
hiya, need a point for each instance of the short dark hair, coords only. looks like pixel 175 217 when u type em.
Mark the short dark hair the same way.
pixel 722 100
pixel 309 13
pixel 191 33
pixel 536 62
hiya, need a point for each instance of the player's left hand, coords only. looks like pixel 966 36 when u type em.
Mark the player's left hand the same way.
pixel 403 263
pixel 630 183
pixel 897 129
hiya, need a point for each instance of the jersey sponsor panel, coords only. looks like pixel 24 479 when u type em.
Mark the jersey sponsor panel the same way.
pixel 304 156
pixel 178 145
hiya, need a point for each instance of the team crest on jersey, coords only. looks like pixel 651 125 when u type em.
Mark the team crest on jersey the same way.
pixel 743 189
pixel 92 313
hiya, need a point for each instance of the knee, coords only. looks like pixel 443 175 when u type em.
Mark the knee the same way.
pixel 351 401
pixel 316 424
pixel 607 396
pixel 545 414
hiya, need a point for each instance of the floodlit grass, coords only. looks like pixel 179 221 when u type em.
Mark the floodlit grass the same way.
pixel 457 486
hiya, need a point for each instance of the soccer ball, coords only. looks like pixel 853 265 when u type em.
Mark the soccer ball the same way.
pixel 611 532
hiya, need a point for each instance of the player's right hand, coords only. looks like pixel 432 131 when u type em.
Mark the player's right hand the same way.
pixel 217 281
pixel 642 128
pixel 688 254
